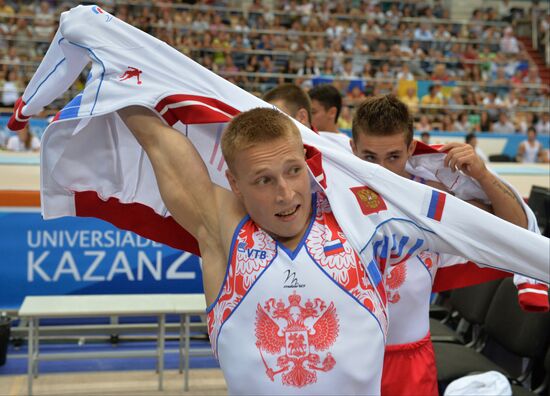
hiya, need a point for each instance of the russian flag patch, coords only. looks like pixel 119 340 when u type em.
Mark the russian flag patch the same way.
pixel 434 205
pixel 369 200
pixel 333 247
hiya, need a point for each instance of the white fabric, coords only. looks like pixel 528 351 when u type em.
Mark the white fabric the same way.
pixel 339 139
pixel 491 383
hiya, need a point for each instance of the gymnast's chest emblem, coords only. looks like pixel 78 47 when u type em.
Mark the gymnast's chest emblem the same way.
pixel 296 334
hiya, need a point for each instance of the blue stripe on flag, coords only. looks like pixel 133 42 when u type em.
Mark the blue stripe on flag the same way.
pixel 333 247
pixel 433 204
pixel 372 268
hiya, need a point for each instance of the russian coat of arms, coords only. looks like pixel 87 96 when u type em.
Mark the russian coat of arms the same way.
pixel 297 333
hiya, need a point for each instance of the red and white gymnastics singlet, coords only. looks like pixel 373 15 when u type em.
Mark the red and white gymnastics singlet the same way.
pixel 307 321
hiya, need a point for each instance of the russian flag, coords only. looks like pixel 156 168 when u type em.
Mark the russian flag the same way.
pixel 333 247
pixel 435 205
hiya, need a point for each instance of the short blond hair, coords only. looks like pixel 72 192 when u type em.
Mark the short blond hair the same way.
pixel 260 125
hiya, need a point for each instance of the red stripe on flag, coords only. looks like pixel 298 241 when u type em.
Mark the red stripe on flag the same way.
pixel 439 208
pixel 137 218
pixel 195 113
pixel 462 275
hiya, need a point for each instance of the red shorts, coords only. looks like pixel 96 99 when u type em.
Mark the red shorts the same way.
pixel 409 369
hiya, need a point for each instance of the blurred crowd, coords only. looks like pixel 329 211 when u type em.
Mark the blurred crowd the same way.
pixel 456 76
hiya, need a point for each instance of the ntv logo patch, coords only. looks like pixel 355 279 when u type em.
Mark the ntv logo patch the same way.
pixel 251 253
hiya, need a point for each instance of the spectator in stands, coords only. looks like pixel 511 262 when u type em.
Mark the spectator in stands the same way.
pixel 443 36
pixel 252 66
pixel 6 8
pixel 425 137
pixel 508 43
pixel 423 33
pixel 4 34
pixel 326 103
pixel 11 60
pixel 453 55
pixel 393 14
pixel 404 73
pixel 23 141
pixel 433 97
pixel 292 100
pixel 440 73
pixel 355 95
pixel 517 78
pixel 309 68
pixel 543 125
pixel 208 63
pixel 501 82
pixel 524 120
pixel 476 24
pixel 44 22
pixel 484 122
pixel 370 30
pixel 410 99
pixel 491 104
pixel 11 89
pixel 504 10
pixel 530 150
pixel 503 125
pixel 456 97
pixel 487 57
pixel 347 72
pixel 346 118
pixel 328 69
pixel 267 66
pixel 385 72
pixel 462 124
pixel 23 35
pixel 469 57
pixel 424 124
pixel 471 139
pixel 367 73
pixel 229 66
pixel 447 123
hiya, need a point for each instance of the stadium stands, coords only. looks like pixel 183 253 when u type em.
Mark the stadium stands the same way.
pixel 363 48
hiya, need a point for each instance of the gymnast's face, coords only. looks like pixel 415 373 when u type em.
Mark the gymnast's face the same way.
pixel 272 182
pixel 391 152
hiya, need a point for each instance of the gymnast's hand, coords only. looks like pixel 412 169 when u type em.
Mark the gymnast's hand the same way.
pixel 462 156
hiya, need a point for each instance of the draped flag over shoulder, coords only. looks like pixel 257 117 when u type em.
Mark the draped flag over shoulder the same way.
pixel 91 165
pixel 428 163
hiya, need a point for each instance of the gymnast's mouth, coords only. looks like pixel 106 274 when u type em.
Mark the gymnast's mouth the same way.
pixel 287 214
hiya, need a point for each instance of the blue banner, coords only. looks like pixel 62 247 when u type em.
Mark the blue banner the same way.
pixel 74 255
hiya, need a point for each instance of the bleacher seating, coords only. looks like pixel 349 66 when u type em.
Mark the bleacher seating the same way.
pixel 478 65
